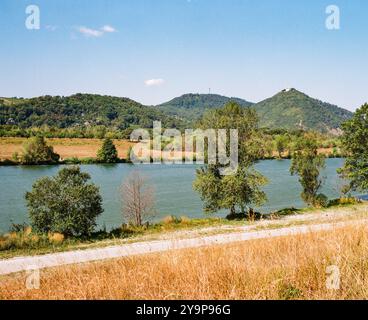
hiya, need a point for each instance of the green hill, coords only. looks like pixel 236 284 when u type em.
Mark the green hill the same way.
pixel 289 109
pixel 191 106
pixel 81 110
pixel 292 109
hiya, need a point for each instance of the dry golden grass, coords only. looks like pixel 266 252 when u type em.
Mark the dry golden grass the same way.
pixel 280 268
pixel 67 148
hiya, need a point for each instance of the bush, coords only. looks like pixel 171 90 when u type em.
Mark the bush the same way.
pixel 64 204
pixel 171 220
pixel 56 238
pixel 108 152
pixel 321 201
pixel 344 201
pixel 250 215
pixel 36 151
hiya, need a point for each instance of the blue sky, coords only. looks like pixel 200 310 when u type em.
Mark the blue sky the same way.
pixel 154 50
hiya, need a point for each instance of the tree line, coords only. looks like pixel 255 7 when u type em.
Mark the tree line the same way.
pixel 69 204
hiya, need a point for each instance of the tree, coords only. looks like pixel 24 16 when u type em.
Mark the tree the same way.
pixel 355 146
pixel 281 144
pixel 65 203
pixel 138 199
pixel 307 164
pixel 245 120
pixel 242 189
pixel 36 151
pixel 108 152
pixel 233 192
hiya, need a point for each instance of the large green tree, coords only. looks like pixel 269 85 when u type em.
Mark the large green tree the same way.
pixel 355 146
pixel 36 151
pixel 66 203
pixel 108 152
pixel 282 142
pixel 307 164
pixel 236 192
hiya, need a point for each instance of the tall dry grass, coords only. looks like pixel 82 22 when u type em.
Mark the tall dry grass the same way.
pixel 291 267
pixel 65 147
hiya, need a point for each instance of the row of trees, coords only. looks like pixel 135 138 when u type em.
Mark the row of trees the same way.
pixel 238 192
pixel 81 111
pixel 69 203
pixel 37 151
pixel 86 131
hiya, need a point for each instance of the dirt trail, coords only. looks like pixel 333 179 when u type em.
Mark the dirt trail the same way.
pixel 19 264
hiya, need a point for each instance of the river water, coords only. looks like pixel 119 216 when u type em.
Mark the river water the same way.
pixel 172 184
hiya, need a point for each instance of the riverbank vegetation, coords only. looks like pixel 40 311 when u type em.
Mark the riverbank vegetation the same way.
pixel 259 269
pixel 354 142
pixel 84 150
pixel 307 164
pixel 24 240
pixel 63 210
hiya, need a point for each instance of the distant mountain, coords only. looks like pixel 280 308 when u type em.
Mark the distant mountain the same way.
pixel 191 106
pixel 289 109
pixel 81 110
pixel 292 109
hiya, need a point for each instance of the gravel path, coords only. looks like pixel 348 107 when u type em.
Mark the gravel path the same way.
pixel 19 264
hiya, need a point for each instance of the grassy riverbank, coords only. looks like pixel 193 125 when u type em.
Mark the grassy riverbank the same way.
pixel 26 243
pixel 66 148
pixel 84 151
pixel 276 268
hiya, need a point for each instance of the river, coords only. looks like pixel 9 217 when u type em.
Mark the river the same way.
pixel 172 184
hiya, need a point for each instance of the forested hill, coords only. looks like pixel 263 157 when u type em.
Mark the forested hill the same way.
pixel 81 110
pixel 292 109
pixel 289 109
pixel 192 106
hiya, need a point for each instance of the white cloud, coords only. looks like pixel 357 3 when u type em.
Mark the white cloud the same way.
pixel 96 33
pixel 154 82
pixel 90 32
pixel 51 28
pixel 108 28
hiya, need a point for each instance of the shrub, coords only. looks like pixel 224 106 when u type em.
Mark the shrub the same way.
pixel 64 204
pixel 343 201
pixel 171 220
pixel 184 220
pixel 36 151
pixel 108 152
pixel 55 238
pixel 321 201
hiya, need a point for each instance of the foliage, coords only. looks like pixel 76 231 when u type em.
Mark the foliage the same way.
pixel 355 146
pixel 79 131
pixel 307 164
pixel 64 204
pixel 239 190
pixel 282 142
pixel 245 120
pixel 108 152
pixel 36 151
pixel 191 107
pixel 95 116
pixel 81 111
pixel 291 109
